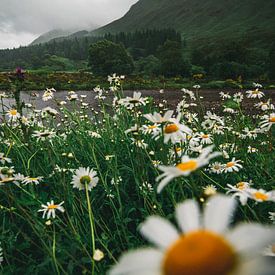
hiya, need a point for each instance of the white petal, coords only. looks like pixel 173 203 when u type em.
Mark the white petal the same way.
pixel 218 213
pixel 188 216
pixel 250 239
pixel 164 182
pixel 159 231
pixel 139 262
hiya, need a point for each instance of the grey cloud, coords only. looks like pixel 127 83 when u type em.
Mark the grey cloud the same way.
pixel 30 18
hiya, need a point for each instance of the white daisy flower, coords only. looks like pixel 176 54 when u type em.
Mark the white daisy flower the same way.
pixel 131 102
pixel 267 121
pixel 50 209
pixel 4 159
pixel 48 94
pixel 1 255
pixel 175 131
pixel 13 115
pixel 225 95
pixel 254 94
pixel 205 245
pixel 232 166
pixel 261 195
pixel 189 93
pixel 157 118
pixel 264 106
pixel 206 138
pixel 184 168
pixel 240 191
pixel 84 177
pixel 216 167
pixel 43 135
pixel 35 180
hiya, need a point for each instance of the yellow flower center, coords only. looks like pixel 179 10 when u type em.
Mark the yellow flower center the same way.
pixel 261 196
pixel 200 253
pixel 151 127
pixel 171 128
pixel 241 185
pixel 255 92
pixel 230 164
pixel 13 112
pixel 85 179
pixel 52 206
pixel 272 119
pixel 178 149
pixel 205 136
pixel 190 165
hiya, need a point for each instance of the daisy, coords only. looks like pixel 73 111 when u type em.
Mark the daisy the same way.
pixel 261 195
pixel 189 93
pixel 43 135
pixel 48 94
pixel 139 143
pixel 186 166
pixel 4 159
pixel 270 251
pixel 267 121
pixel 50 209
pixel 157 118
pixel 225 95
pixel 84 177
pixel 272 216
pixel 216 167
pixel 205 245
pixel 238 97
pixel 175 131
pixel 209 190
pixel 28 180
pixel 13 114
pixel 254 94
pixel 131 102
pixel 240 191
pixel 264 106
pixel 98 255
pixel 153 130
pixel 206 138
pixel 50 111
pixel 232 166
pixel 251 150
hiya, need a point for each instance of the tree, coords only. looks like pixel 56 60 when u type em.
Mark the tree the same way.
pixel 106 57
pixel 172 62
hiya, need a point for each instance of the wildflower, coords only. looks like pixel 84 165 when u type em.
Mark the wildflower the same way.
pixel 48 94
pixel 94 134
pixel 139 143
pixel 229 110
pixel 238 97
pixel 261 195
pixel 205 246
pixel 272 216
pixel 131 102
pixel 50 209
pixel 84 177
pixel 206 138
pixel 158 118
pixel 186 166
pixel 209 190
pixel 98 255
pixel 232 166
pixel 239 191
pixel 264 106
pixel 225 95
pixel 254 94
pixel 267 121
pixel 72 96
pixel 4 159
pixel 252 149
pixel 43 135
pixel 216 167
pixel 50 111
pixel 153 130
pixel 28 180
pixel 13 114
pixel 190 93
pixel 175 131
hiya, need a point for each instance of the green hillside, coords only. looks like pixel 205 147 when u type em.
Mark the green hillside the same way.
pixel 199 19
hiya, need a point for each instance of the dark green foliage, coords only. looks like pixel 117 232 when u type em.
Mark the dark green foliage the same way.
pixel 106 57
pixel 148 66
pixel 271 62
pixel 172 62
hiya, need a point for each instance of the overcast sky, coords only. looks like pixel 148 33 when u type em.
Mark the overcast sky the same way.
pixel 21 21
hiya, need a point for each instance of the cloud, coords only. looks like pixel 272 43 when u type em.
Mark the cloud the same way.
pixel 22 20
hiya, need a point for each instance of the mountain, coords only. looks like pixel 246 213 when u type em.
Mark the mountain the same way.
pixel 60 34
pixel 200 19
pixel 46 37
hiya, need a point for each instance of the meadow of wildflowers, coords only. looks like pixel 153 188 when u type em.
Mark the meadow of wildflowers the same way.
pixel 83 190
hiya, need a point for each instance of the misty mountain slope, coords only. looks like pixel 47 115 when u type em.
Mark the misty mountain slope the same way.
pixel 200 18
